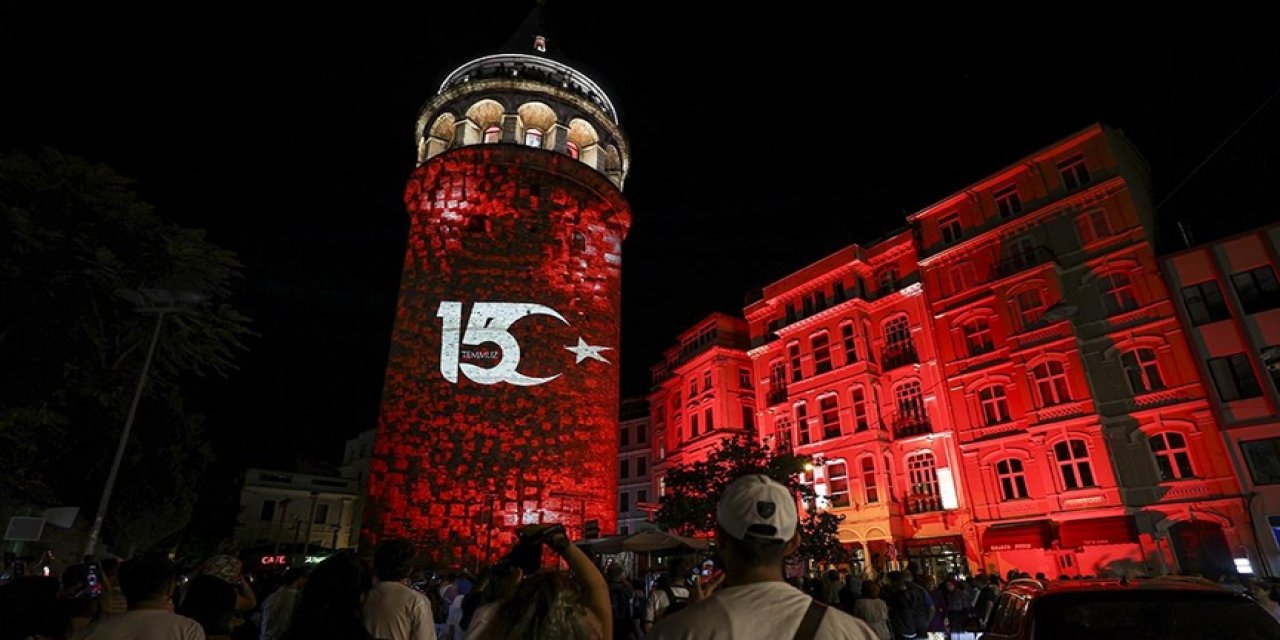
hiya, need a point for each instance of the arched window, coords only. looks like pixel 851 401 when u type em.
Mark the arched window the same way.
pixel 821 344
pixel 1117 292
pixel 861 420
pixel 785 433
pixel 910 400
pixel 572 149
pixel 838 484
pixel 922 473
pixel 578 241
pixel 492 135
pixel 869 480
pixel 1172 456
pixel 1141 369
pixel 888 280
pixel 1073 464
pixel 995 405
pixel 847 341
pixel 1050 384
pixel 977 337
pixel 694 431
pixel 898 348
pixel 1013 482
pixel 793 354
pixel 829 411
pixel 896 332
pixel 802 422
pixel 1030 307
pixel 533 137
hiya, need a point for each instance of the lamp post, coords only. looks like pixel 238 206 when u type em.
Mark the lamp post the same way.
pixel 155 301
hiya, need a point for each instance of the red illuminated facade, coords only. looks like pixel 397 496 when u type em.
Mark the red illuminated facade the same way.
pixel 1004 384
pixel 500 405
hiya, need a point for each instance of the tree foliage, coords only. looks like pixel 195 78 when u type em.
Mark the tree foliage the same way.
pixel 688 506
pixel 73 236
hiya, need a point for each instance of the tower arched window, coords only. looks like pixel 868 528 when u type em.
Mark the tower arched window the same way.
pixel 533 137
pixel 1142 370
pixel 1173 459
pixel 995 404
pixel 869 490
pixel 492 135
pixel 1073 464
pixel 1013 482
pixel 1050 383
pixel 923 475
pixel 572 149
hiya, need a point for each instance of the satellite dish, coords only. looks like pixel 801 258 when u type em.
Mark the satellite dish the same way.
pixel 1059 311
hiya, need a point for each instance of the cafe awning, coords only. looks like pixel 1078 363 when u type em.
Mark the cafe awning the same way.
pixel 1097 531
pixel 1017 536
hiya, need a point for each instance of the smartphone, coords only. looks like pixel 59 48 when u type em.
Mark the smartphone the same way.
pixel 93 579
pixel 708 568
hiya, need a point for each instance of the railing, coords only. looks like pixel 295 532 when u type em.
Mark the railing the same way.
pixel 899 355
pixel 1022 261
pixel 911 423
pixel 923 502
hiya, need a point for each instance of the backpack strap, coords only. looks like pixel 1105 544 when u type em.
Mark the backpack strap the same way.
pixel 812 620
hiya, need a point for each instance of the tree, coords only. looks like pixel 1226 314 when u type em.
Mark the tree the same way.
pixel 72 235
pixel 692 491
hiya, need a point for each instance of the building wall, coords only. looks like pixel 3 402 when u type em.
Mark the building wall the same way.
pixel 1244 329
pixel 635 493
pixel 285 508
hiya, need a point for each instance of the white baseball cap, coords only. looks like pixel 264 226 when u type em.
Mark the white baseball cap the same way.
pixel 758 507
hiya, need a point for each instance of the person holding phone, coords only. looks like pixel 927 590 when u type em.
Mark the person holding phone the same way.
pixel 148 584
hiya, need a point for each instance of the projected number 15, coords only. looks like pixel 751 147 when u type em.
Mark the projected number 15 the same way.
pixel 490 322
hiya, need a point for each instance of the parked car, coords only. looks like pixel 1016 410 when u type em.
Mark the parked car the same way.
pixel 1146 609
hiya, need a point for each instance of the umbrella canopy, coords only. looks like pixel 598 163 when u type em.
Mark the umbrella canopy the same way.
pixel 655 540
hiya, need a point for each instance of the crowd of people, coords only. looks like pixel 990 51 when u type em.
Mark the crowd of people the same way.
pixel 347 598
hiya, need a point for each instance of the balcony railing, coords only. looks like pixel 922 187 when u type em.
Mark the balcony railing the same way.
pixel 911 423
pixel 1022 261
pixel 776 395
pixel 923 502
pixel 899 355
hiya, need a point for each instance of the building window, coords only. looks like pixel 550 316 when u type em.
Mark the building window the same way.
pixel 1074 172
pixel 744 378
pixel 675 401
pixel 677 420
pixel 910 400
pixel 793 352
pixel 838 484
pixel 1013 482
pixel 777 382
pixel 694 431
pixel 888 279
pixel 869 480
pixel 624 467
pixel 829 412
pixel 1141 369
pixel 1030 307
pixel 322 514
pixel 642 464
pixel 860 421
pixel 1234 378
pixel 1092 226
pixel 847 341
pixel 923 476
pixel 572 149
pixel 492 135
pixel 1073 464
pixel 706 380
pixel 1263 458
pixel 792 316
pixel 1008 202
pixel 1271 362
pixel 1172 456
pixel 1257 289
pixel 624 504
pixel 785 433
pixel 802 422
pixel 693 387
pixel 896 333
pixel 977 337
pixel 949 226
pixel 533 138
pixel 961 277
pixel 268 512
pixel 748 418
pixel 622 440
pixel 994 403
pixel 1117 293
pixel 578 241
pixel 642 495
pixel 709 416
pixel 838 294
pixel 641 432
pixel 1050 381
pixel 821 344
pixel 1204 303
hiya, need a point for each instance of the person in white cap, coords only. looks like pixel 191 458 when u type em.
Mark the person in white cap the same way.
pixel 756 528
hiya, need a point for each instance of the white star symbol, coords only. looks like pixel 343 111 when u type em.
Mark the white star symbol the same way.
pixel 585 351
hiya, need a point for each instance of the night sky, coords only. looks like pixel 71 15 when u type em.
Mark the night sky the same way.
pixel 762 140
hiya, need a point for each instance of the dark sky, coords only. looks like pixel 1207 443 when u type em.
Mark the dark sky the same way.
pixel 762 140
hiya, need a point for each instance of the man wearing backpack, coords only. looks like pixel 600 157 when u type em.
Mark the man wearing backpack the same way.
pixel 671 593
pixel 756 528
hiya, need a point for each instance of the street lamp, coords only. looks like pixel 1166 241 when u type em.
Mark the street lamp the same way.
pixel 159 302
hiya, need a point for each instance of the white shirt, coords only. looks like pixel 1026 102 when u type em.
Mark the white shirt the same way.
pixel 659 601
pixel 143 624
pixel 764 610
pixel 393 611
pixel 277 611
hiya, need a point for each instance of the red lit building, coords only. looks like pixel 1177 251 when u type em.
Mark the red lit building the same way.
pixel 1227 294
pixel 1005 384
pixel 500 405
pixel 635 486
pixel 702 393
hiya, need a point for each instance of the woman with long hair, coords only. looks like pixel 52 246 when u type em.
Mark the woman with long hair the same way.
pixel 329 605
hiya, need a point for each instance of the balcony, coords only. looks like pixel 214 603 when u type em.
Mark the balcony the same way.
pixel 898 355
pixel 911 423
pixel 1021 261
pixel 776 395
pixel 922 501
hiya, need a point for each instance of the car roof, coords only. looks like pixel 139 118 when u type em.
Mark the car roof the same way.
pixel 1030 587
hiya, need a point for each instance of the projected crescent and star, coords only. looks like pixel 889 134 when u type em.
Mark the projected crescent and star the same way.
pixel 490 324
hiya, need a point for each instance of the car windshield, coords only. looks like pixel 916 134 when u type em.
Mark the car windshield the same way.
pixel 1126 614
